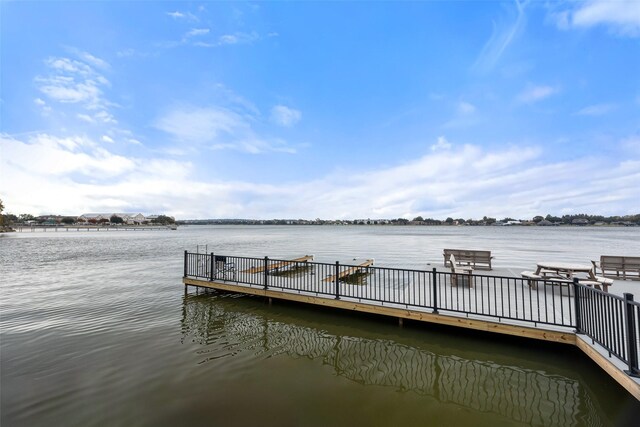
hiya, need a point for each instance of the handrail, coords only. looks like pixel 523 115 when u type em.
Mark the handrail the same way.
pixel 609 320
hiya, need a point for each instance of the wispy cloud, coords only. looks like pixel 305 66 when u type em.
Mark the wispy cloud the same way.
pixel 285 116
pixel 218 128
pixel 185 16
pixel 441 144
pixel 596 110
pixel 230 39
pixel 197 32
pixel 503 34
pixel 621 17
pixel 73 81
pixel 535 93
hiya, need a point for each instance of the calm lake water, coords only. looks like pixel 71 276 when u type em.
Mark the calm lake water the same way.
pixel 95 329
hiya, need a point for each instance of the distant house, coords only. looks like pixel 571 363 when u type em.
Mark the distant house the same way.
pixel 544 222
pixel 127 218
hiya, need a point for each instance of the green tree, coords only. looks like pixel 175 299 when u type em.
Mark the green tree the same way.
pixel 418 219
pixel 165 220
pixel 115 219
pixel 449 220
pixel 25 217
pixel 68 220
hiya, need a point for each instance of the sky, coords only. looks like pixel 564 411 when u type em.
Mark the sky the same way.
pixel 332 110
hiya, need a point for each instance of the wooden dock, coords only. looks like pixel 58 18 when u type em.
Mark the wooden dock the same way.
pixel 498 304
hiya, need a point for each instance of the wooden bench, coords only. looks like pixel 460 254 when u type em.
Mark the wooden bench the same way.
pixel 596 284
pixel 471 258
pixel 460 273
pixel 619 267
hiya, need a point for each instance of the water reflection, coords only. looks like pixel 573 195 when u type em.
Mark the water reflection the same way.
pixel 523 395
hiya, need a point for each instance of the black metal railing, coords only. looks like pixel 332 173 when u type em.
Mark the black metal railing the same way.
pixel 609 320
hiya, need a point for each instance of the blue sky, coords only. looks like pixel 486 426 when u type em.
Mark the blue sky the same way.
pixel 321 109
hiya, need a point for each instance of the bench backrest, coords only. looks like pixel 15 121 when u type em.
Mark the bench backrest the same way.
pixel 620 262
pixel 465 254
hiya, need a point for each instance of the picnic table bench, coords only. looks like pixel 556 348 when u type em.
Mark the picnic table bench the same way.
pixel 624 267
pixel 468 257
pixel 275 265
pixel 349 270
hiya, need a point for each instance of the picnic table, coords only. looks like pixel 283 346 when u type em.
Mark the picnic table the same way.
pixel 564 270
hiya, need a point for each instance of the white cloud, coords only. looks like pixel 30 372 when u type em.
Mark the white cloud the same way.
pixel 535 93
pixel 108 139
pixel 197 32
pixel 44 108
pixel 218 128
pixel 238 38
pixel 72 175
pixel 71 81
pixel 195 124
pixel 441 144
pixel 105 117
pixel 596 110
pixel 186 16
pixel 86 118
pixel 285 116
pixel 622 17
pixel 93 60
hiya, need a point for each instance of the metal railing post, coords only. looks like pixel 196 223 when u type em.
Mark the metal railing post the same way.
pixel 337 279
pixel 632 349
pixel 212 267
pixel 185 264
pixel 434 277
pixel 576 305
pixel 266 272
